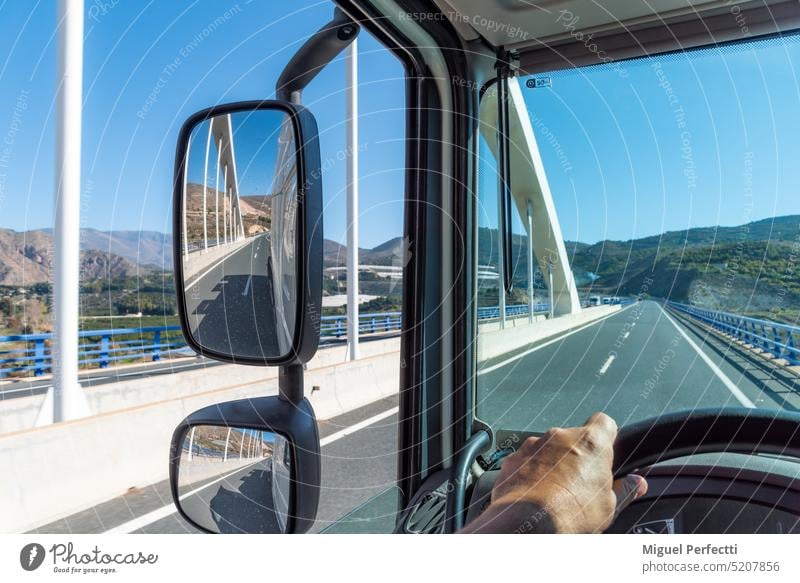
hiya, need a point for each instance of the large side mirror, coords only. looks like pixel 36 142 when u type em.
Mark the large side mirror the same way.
pixel 249 466
pixel 248 233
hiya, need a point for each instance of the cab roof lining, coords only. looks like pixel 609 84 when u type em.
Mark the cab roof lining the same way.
pixel 572 33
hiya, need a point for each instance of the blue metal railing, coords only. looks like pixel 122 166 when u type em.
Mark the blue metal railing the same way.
pixel 779 340
pixel 101 347
pixel 32 352
pixel 336 326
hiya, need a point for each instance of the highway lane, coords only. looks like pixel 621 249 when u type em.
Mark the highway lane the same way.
pixel 230 306
pixel 638 363
pixel 358 461
pixel 236 501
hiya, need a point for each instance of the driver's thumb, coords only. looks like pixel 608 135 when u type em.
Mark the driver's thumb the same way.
pixel 628 489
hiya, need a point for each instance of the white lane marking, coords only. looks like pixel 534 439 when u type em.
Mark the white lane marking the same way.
pixel 357 427
pixel 511 359
pixel 607 363
pixel 163 512
pixel 212 268
pixel 247 285
pixel 740 396
pixel 624 336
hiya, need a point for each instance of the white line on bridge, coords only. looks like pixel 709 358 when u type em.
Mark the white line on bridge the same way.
pixel 736 391
pixel 164 511
pixel 607 363
pixel 511 359
pixel 247 286
pixel 213 267
pixel 357 427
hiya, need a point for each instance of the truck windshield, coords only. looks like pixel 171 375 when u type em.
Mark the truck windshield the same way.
pixel 655 235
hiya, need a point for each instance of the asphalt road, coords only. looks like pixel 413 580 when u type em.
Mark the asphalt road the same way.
pixel 638 362
pixel 231 307
pixel 358 462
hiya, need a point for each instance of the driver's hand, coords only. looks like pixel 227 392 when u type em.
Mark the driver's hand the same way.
pixel 560 482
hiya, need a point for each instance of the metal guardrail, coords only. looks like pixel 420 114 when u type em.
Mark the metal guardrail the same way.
pixel 336 326
pixel 101 347
pixel 779 340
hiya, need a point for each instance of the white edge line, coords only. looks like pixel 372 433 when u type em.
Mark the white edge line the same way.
pixel 357 427
pixel 511 359
pixel 165 511
pixel 212 268
pixel 736 391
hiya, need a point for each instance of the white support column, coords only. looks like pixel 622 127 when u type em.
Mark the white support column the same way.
pixel 351 115
pixel 205 188
pixel 185 197
pixel 227 441
pixel 531 186
pixel 224 196
pixel 241 445
pixel 216 192
pixel 191 442
pixel 66 399
pixel 530 262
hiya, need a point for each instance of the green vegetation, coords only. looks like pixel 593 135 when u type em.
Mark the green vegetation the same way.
pixel 752 269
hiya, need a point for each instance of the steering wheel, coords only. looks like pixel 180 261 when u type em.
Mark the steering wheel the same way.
pixel 734 430
pixel 774 499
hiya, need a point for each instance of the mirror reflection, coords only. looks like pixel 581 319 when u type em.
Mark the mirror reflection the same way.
pixel 239 214
pixel 235 480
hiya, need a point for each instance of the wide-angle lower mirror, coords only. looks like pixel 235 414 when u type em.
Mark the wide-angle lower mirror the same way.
pixel 241 205
pixel 235 480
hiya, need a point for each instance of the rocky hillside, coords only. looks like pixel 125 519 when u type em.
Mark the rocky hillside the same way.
pixel 26 258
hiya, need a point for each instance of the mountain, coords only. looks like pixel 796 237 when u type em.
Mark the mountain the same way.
pixel 751 268
pixel 256 212
pixel 27 257
pixel 387 253
pixel 149 248
pixel 143 247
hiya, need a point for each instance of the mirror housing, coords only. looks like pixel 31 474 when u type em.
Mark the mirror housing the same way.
pixel 294 422
pixel 289 271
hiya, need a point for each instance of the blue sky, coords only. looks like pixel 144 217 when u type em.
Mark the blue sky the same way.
pixel 619 163
pixel 707 138
pixel 149 65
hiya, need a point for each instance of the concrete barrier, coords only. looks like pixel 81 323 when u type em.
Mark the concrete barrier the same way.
pixel 20 413
pixel 494 341
pixel 54 471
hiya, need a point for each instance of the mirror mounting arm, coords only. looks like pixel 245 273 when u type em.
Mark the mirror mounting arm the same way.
pixel 290 383
pixel 319 50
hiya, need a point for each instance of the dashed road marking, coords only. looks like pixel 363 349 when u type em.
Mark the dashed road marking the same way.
pixel 607 363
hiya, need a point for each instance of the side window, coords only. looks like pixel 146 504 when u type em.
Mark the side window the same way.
pixel 358 465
